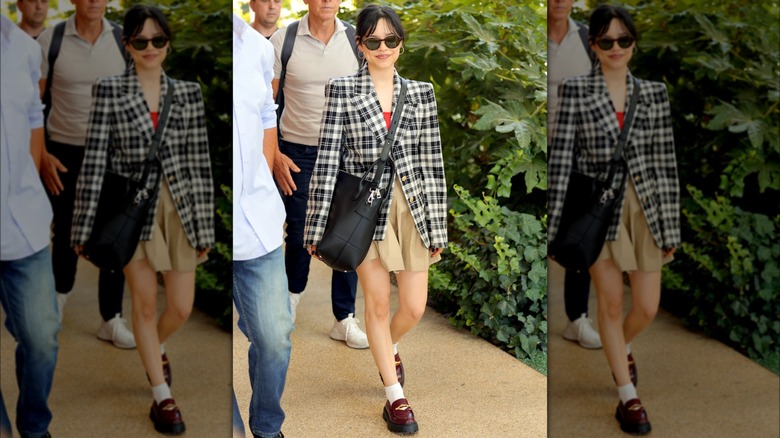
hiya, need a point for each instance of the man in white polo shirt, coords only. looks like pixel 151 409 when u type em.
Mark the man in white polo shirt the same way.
pixel 322 51
pixel 89 50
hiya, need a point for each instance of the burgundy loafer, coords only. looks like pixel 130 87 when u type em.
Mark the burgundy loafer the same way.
pixel 399 417
pixel 166 369
pixel 166 366
pixel 632 417
pixel 399 371
pixel 631 370
pixel 167 417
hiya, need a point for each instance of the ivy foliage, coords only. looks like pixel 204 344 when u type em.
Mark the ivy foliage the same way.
pixel 487 63
pixel 721 64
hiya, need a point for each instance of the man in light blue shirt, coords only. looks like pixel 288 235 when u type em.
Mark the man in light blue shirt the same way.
pixel 259 279
pixel 26 278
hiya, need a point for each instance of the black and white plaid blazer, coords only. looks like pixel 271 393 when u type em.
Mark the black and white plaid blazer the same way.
pixel 119 135
pixel 585 135
pixel 351 137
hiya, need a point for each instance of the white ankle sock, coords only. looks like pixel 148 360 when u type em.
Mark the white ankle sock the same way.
pixel 627 392
pixel 395 348
pixel 394 392
pixel 161 392
pixel 162 349
pixel 628 349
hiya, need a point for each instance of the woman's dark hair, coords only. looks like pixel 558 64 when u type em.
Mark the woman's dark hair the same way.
pixel 135 18
pixel 369 17
pixel 602 16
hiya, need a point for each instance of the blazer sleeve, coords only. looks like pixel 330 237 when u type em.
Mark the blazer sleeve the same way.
pixel 200 165
pixel 93 168
pixel 326 168
pixel 561 155
pixel 433 170
pixel 666 171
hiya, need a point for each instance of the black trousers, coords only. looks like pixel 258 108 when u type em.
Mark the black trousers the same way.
pixel 111 285
pixel 576 290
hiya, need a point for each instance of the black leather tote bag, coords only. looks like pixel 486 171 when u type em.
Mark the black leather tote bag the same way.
pixel 355 207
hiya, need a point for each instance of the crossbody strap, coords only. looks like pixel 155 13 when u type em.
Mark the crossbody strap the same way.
pixel 380 168
pixel 150 158
pixel 621 143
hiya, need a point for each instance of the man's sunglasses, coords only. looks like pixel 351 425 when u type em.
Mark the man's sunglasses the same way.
pixel 142 43
pixel 391 42
pixel 607 43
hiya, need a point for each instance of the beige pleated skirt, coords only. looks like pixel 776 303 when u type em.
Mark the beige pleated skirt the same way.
pixel 169 249
pixel 402 249
pixel 635 248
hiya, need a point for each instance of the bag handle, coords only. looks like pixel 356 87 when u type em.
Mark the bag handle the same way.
pixel 150 158
pixel 616 157
pixel 380 168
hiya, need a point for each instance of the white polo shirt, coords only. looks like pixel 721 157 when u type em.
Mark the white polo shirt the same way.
pixel 310 66
pixel 78 66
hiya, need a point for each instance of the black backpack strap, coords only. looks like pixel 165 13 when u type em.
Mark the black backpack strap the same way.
pixel 54 52
pixel 351 38
pixel 287 47
pixel 117 31
pixel 583 31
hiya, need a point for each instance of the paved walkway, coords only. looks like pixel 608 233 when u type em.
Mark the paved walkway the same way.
pixel 691 385
pixel 458 385
pixel 101 391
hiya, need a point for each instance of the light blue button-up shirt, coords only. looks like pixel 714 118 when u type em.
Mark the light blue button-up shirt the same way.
pixel 25 212
pixel 258 211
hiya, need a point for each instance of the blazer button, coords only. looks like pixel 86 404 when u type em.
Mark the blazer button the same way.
pixel 178 199
pixel 411 199
pixel 403 178
pixel 637 178
pixel 170 178
pixel 644 200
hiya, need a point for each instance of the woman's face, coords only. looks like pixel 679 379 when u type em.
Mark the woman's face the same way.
pixel 144 48
pixel 382 57
pixel 616 57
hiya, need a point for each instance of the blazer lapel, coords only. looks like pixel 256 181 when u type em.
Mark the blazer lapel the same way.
pixel 642 104
pixel 366 102
pixel 134 105
pixel 600 106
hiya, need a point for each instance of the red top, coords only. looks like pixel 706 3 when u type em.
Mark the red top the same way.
pixel 620 119
pixel 154 118
pixel 387 119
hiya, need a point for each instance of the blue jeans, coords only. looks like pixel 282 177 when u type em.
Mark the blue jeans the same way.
pixel 263 304
pixel 238 423
pixel 297 259
pixel 27 295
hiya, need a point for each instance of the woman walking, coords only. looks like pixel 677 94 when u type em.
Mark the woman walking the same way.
pixel 412 228
pixel 645 230
pixel 179 231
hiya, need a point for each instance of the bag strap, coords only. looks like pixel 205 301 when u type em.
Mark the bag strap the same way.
pixel 621 143
pixel 380 168
pixel 150 158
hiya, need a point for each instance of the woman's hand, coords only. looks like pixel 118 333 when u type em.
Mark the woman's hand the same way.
pixel 668 252
pixel 312 249
pixel 203 252
pixel 79 250
pixel 435 251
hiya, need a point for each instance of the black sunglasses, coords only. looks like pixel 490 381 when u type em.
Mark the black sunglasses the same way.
pixel 142 43
pixel 391 42
pixel 607 43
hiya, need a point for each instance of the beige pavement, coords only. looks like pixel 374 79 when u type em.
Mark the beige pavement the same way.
pixel 458 385
pixel 102 391
pixel 691 385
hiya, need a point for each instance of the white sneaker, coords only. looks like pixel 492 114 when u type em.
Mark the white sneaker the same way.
pixel 116 331
pixel 294 300
pixel 61 300
pixel 581 330
pixel 348 330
